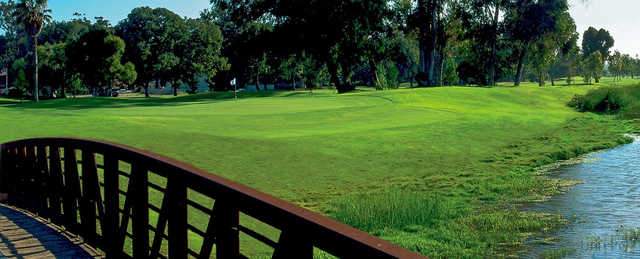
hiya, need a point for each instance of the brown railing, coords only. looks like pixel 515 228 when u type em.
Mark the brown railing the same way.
pixel 131 203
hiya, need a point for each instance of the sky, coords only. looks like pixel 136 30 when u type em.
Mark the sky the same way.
pixel 116 10
pixel 619 17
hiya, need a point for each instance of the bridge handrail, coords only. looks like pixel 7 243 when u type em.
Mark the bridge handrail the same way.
pixel 45 176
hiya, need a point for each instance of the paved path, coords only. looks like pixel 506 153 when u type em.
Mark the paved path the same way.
pixel 22 236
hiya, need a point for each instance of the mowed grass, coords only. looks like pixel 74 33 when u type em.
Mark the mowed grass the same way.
pixel 435 170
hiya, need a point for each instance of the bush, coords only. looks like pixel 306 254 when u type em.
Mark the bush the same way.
pixel 450 73
pixel 632 112
pixel 607 99
pixel 16 93
pixel 388 75
pixel 577 102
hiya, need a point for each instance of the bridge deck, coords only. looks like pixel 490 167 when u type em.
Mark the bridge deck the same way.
pixel 23 236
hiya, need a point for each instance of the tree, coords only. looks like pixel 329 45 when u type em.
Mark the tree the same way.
pixel 553 47
pixel 245 39
pixel 597 40
pixel 428 19
pixel 571 57
pixel 450 76
pixel 329 29
pixel 200 53
pixel 126 74
pixel 482 18
pixel 616 65
pixel 33 15
pixel 313 72
pixel 8 21
pixel 290 70
pixel 96 56
pixel 152 37
pixel 541 55
pixel 627 65
pixel 405 50
pixel 593 67
pixel 12 47
pixel 138 34
pixel 527 22
pixel 169 31
pixel 53 66
pixel 21 82
pixel 63 31
pixel 494 39
pixel 635 66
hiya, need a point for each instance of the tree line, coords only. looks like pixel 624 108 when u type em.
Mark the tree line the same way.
pixel 149 46
pixel 339 43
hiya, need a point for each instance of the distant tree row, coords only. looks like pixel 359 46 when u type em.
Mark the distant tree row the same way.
pixel 150 45
pixel 339 43
pixel 435 42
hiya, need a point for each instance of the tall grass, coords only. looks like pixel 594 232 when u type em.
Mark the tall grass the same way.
pixel 440 226
pixel 623 237
pixel 559 254
pixel 395 209
pixel 607 99
pixel 622 100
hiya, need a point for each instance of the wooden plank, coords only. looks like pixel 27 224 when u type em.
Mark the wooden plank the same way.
pixel 32 182
pixel 19 175
pixel 140 198
pixel 9 172
pixel 5 169
pixel 56 184
pixel 88 200
pixel 72 189
pixel 177 194
pixel 43 180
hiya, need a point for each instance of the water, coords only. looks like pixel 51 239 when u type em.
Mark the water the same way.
pixel 608 200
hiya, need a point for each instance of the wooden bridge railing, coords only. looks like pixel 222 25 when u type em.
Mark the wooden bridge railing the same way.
pixel 131 203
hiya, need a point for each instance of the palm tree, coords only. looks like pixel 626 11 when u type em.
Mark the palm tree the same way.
pixel 33 14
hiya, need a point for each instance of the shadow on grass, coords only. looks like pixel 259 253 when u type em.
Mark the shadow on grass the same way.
pixel 108 102
pixel 2 102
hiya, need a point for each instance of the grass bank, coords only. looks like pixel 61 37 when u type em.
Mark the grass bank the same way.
pixel 435 170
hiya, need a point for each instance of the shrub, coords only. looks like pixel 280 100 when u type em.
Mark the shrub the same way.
pixel 450 73
pixel 577 102
pixel 388 75
pixel 607 99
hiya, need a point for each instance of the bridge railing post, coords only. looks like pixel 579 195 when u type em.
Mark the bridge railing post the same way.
pixel 71 190
pixel 140 211
pixel 90 189
pixel 4 172
pixel 111 206
pixel 56 184
pixel 177 216
pixel 226 223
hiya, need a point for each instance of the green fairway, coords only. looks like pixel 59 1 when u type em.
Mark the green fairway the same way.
pixel 470 150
